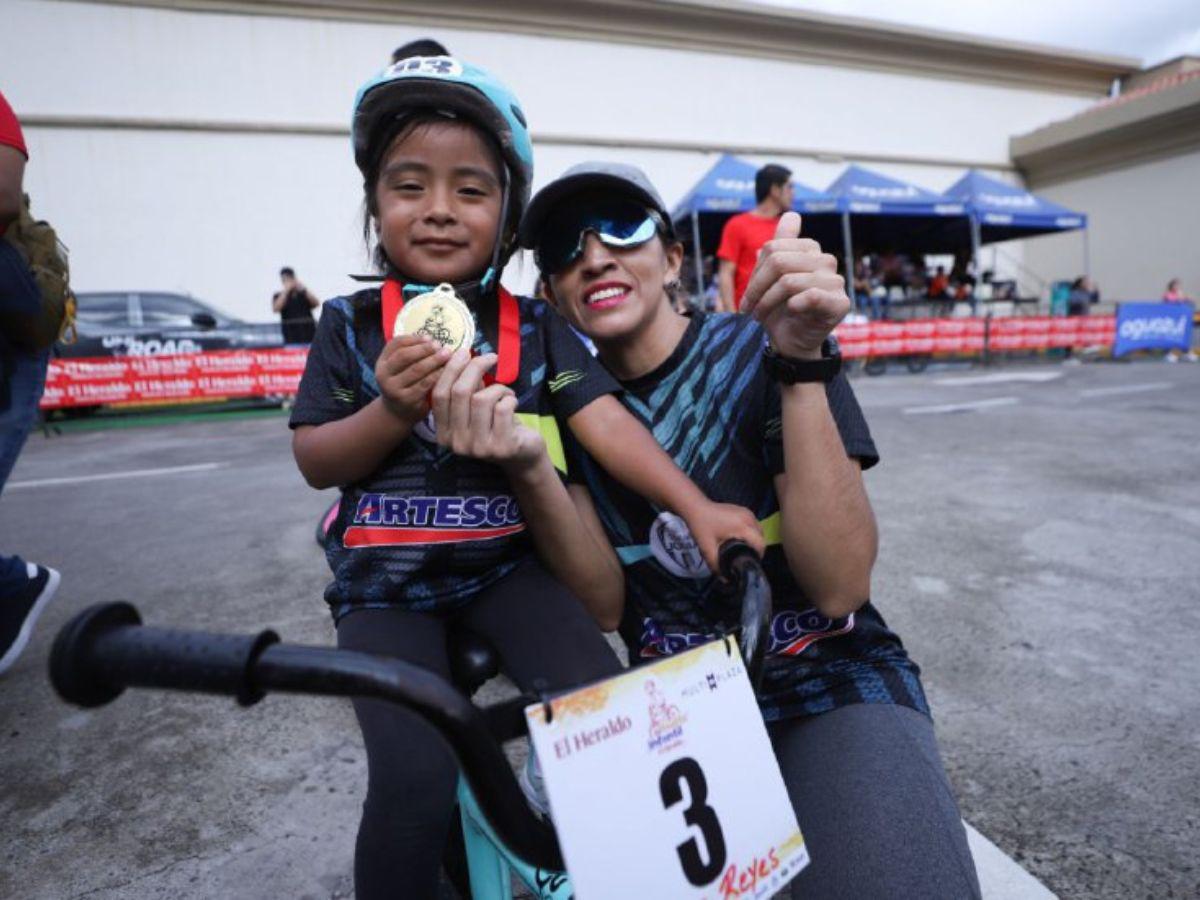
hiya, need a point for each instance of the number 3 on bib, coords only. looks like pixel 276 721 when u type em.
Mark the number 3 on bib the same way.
pixel 698 870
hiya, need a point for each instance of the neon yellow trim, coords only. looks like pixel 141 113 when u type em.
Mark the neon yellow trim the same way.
pixel 547 427
pixel 771 529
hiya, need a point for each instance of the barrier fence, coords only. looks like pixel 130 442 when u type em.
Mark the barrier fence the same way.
pixel 237 374
pixel 973 337
pixel 210 375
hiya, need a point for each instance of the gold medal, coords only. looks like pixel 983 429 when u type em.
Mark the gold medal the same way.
pixel 439 314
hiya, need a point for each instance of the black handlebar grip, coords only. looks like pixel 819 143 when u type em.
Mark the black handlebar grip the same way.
pixel 730 554
pixel 105 649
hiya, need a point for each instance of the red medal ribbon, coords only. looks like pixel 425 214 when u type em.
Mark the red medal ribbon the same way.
pixel 508 366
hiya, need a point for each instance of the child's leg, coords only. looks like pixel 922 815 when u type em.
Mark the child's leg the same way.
pixel 543 634
pixel 411 775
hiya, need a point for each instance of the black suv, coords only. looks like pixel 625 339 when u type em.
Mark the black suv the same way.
pixel 152 323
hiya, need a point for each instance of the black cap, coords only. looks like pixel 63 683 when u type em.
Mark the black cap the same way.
pixel 621 179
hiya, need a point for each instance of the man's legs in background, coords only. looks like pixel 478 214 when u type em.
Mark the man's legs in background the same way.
pixel 25 588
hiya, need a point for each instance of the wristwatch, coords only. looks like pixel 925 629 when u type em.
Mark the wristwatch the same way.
pixel 789 370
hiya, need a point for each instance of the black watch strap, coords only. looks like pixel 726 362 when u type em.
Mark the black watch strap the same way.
pixel 789 370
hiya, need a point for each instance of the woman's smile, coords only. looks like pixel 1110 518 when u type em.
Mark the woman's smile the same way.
pixel 606 294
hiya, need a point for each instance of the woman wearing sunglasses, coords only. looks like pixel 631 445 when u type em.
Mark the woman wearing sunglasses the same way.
pixel 754 408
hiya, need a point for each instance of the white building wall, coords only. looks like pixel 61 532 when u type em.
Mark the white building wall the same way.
pixel 1143 228
pixel 217 213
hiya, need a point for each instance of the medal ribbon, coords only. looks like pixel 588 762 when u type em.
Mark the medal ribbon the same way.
pixel 508 364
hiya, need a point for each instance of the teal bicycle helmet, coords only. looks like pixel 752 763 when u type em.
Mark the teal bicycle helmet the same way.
pixel 458 89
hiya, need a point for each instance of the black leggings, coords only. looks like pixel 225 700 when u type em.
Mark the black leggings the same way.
pixel 874 805
pixel 541 632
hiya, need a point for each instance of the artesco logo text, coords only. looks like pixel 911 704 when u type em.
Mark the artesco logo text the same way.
pixel 437 512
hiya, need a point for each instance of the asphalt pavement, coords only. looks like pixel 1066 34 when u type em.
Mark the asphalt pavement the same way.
pixel 1039 525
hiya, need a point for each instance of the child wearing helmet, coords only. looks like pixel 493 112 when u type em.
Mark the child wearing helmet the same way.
pixel 454 506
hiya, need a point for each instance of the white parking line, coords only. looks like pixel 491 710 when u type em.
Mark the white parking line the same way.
pixel 1000 876
pixel 110 476
pixel 1126 389
pixel 961 407
pixel 1000 378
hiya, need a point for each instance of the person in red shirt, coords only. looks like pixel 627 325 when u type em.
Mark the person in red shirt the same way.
pixel 744 234
pixel 12 165
pixel 25 588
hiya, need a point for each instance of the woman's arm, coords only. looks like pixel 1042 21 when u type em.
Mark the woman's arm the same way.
pixel 828 527
pixel 277 300
pixel 570 540
pixel 827 524
pixel 481 423
pixel 628 452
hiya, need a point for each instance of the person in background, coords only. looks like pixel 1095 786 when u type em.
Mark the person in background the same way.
pixel 1083 293
pixel 939 285
pixel 744 234
pixel 1174 294
pixel 891 270
pixel 864 294
pixel 295 304
pixel 25 588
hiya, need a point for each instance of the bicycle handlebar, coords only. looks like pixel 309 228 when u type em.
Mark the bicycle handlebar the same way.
pixel 740 564
pixel 105 649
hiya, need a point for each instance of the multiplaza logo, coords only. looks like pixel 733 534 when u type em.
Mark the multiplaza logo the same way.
pixel 385 520
pixel 713 680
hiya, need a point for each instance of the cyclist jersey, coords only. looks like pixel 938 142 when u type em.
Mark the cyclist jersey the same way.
pixel 717 413
pixel 428 530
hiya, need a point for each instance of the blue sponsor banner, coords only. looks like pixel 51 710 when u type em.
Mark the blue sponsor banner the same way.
pixel 1153 326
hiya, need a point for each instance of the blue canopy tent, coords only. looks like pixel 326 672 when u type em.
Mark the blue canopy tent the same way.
pixel 728 188
pixel 890 214
pixel 1003 212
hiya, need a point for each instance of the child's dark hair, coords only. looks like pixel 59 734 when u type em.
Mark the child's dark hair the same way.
pixel 287 272
pixel 419 47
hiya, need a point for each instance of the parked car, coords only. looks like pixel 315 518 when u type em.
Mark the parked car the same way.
pixel 154 323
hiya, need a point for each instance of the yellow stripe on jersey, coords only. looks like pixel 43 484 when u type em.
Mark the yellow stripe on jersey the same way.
pixel 771 529
pixel 547 427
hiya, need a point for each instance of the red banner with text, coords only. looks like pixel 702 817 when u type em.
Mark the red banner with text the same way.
pixel 212 375
pixel 236 374
pixel 968 337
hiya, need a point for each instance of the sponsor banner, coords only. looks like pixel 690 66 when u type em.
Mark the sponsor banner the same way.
pixel 1153 326
pixel 671 763
pixel 970 336
pixel 213 375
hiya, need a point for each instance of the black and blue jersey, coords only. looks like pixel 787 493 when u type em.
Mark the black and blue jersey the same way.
pixel 429 529
pixel 713 408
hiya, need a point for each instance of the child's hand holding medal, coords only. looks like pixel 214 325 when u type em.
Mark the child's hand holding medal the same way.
pixel 427 331
pixel 407 370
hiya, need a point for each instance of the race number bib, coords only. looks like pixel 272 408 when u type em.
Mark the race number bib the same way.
pixel 662 783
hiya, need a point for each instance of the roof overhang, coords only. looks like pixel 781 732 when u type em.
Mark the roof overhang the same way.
pixel 1165 123
pixel 732 27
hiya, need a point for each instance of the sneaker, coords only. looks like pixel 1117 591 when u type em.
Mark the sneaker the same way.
pixel 1191 357
pixel 533 786
pixel 19 613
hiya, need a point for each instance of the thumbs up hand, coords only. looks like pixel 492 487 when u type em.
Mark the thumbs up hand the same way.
pixel 796 292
